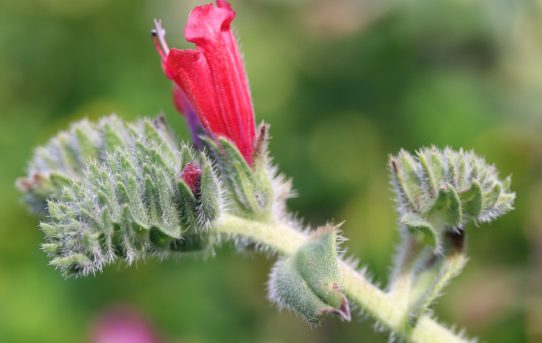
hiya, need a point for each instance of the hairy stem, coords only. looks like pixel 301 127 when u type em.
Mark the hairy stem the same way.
pixel 285 240
pixel 402 279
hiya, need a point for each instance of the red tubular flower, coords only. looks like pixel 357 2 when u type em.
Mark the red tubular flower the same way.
pixel 213 76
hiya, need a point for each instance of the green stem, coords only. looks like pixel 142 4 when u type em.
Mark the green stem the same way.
pixel 430 283
pixel 285 240
pixel 402 278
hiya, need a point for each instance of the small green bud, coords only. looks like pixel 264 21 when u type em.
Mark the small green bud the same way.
pixel 308 282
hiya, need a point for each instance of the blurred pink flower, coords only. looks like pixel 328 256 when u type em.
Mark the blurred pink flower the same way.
pixel 122 324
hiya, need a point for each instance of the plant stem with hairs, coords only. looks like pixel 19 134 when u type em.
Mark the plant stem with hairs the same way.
pixel 285 240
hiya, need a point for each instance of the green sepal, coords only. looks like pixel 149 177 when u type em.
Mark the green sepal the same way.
pixel 72 264
pixel 492 196
pixel 111 137
pixel 433 168
pixel 159 239
pixel 250 187
pixel 69 153
pixel 187 154
pixel 187 207
pixel 507 183
pixel 407 180
pixel 58 181
pixel 195 244
pixel 446 210
pixel 52 248
pixel 308 282
pixel 209 194
pixel 472 200
pixel 158 127
pixel 153 134
pixel 88 148
pixel 417 225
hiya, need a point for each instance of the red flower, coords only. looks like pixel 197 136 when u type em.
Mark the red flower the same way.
pixel 212 76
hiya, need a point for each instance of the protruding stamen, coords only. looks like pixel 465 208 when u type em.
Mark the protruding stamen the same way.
pixel 159 39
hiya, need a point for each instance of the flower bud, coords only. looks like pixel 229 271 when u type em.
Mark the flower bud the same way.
pixel 439 191
pixel 141 195
pixel 64 158
pixel 308 282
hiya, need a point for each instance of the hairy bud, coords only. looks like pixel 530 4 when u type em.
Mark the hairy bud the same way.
pixel 308 282
pixel 439 192
pixel 444 189
pixel 64 158
pixel 132 201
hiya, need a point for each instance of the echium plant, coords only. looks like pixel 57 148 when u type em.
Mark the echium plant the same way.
pixel 112 189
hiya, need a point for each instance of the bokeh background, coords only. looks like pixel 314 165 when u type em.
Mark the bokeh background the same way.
pixel 344 83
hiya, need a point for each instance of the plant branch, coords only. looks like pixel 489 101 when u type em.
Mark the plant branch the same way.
pixel 285 240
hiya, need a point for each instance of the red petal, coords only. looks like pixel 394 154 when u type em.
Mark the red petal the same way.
pixel 209 28
pixel 189 70
pixel 224 4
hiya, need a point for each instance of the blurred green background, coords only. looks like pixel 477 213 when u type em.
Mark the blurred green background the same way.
pixel 344 83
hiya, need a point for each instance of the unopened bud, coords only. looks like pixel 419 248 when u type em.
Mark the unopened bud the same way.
pixel 308 282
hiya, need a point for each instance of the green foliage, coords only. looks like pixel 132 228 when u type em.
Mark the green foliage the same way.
pixel 308 282
pixel 128 201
